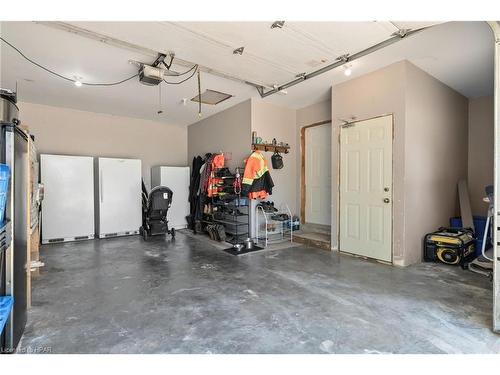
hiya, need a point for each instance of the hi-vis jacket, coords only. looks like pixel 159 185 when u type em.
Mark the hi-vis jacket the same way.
pixel 257 182
pixel 213 182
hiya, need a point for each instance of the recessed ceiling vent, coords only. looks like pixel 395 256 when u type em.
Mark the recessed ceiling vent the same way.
pixel 211 97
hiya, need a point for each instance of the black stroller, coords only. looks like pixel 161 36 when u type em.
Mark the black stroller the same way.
pixel 155 206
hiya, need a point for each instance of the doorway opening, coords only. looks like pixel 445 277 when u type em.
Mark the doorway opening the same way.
pixel 316 174
pixel 316 184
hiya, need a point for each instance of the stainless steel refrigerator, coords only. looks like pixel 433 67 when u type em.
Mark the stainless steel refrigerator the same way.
pixel 14 153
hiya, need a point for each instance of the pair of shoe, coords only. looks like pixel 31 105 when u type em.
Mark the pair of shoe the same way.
pixel 268 206
pixel 197 227
pixel 232 211
pixel 218 215
pixel 272 227
pixel 280 217
pixel 216 232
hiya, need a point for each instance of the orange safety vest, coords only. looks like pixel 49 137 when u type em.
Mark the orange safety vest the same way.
pixel 255 168
pixel 217 162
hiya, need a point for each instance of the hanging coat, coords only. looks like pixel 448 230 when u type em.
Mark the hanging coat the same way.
pixel 257 182
pixel 213 182
pixel 193 190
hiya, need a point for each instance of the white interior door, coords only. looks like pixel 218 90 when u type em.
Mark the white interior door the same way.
pixel 318 160
pixel 366 188
pixel 120 202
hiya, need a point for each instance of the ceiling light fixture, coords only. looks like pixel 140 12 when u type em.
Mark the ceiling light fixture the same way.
pixel 78 81
pixel 347 70
pixel 278 25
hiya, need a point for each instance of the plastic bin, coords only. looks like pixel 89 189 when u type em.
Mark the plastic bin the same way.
pixel 480 226
pixel 4 188
pixel 6 303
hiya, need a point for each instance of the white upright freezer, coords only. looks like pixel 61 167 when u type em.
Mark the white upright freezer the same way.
pixel 118 197
pixel 68 203
pixel 177 179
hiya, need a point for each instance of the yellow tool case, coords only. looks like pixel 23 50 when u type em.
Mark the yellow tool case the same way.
pixel 449 245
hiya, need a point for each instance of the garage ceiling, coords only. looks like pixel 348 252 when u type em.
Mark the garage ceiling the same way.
pixel 460 54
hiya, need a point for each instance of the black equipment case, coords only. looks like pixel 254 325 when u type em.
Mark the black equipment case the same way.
pixel 449 245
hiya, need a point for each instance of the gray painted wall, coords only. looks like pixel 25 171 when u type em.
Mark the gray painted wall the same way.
pixel 272 121
pixel 430 137
pixel 73 132
pixel 481 135
pixel 228 131
pixel 374 94
pixel 231 131
pixel 435 156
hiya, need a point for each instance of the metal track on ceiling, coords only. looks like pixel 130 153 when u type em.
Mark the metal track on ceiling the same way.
pixel 261 87
pixel 80 31
pixel 341 60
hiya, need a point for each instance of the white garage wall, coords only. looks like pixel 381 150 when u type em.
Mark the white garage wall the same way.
pixel 72 132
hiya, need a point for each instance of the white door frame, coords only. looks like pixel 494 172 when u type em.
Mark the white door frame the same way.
pixel 309 184
pixel 303 167
pixel 392 184
pixel 495 27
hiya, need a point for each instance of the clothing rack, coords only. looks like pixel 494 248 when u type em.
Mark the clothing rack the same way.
pixel 270 147
pixel 235 219
pixel 232 212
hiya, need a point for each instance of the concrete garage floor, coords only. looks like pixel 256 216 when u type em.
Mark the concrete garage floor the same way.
pixel 125 296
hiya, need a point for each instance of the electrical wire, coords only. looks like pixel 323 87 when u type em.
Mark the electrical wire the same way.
pixel 111 83
pixel 60 75
pixel 183 73
pixel 189 70
pixel 185 79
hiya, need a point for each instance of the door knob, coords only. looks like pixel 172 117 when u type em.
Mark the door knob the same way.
pixel 387 200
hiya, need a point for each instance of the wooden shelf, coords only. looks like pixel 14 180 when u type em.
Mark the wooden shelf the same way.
pixel 270 147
